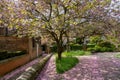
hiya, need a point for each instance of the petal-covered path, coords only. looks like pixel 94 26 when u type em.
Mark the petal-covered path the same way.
pixel 101 66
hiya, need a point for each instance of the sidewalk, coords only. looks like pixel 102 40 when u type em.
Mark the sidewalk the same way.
pixel 102 66
pixel 49 71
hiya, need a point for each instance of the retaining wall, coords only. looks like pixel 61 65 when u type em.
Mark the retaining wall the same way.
pixel 11 64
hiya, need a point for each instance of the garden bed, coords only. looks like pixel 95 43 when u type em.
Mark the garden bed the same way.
pixel 9 54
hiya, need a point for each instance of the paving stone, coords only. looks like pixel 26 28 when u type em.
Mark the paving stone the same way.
pixel 100 66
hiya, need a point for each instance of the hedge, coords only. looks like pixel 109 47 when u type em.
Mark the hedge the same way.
pixel 75 47
pixel 102 47
pixel 9 54
pixel 72 47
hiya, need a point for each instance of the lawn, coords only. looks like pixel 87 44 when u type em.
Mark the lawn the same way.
pixel 65 64
pixel 76 53
pixel 118 55
pixel 69 60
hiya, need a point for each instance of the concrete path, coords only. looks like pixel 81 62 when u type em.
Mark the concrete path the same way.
pixel 101 66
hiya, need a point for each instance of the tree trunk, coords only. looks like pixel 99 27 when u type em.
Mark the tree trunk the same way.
pixel 67 45
pixel 85 44
pixel 59 51
pixel 59 56
pixel 84 47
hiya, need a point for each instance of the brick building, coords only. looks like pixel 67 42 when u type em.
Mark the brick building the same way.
pixel 11 43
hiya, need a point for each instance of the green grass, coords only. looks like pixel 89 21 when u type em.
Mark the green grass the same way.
pixel 68 60
pixel 118 55
pixel 76 53
pixel 65 64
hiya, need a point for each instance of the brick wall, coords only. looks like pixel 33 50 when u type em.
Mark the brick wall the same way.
pixel 13 43
pixel 13 63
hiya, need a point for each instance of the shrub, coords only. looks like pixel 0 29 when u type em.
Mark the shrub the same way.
pixel 75 47
pixel 10 54
pixel 90 45
pixel 91 49
pixel 95 39
pixel 107 44
pixel 79 40
pixel 98 48
pixel 54 48
pixel 72 47
pixel 101 48
pixel 97 44
pixel 118 48
pixel 3 52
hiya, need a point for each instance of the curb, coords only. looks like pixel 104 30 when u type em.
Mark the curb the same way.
pixel 31 72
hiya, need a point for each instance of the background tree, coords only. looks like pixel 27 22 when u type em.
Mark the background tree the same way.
pixel 7 13
pixel 109 20
pixel 54 18
pixel 59 17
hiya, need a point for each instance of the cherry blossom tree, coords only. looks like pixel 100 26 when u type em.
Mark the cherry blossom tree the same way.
pixel 54 18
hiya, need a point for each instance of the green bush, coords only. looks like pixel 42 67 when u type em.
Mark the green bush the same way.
pixel 95 39
pixel 106 44
pixel 80 47
pixel 99 45
pixel 118 48
pixel 72 47
pixel 10 54
pixel 3 52
pixel 91 49
pixel 75 47
pixel 53 48
pixel 79 40
pixel 103 47
pixel 90 45
pixel 98 48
